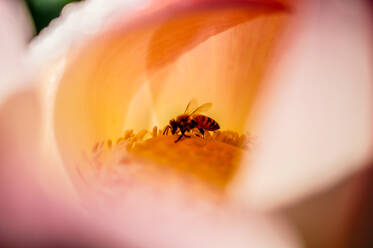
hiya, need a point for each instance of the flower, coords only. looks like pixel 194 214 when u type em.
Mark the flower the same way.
pixel 141 68
pixel 156 61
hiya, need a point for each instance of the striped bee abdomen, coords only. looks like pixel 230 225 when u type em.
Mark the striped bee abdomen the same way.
pixel 206 123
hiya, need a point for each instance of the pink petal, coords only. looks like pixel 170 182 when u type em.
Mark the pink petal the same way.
pixel 316 122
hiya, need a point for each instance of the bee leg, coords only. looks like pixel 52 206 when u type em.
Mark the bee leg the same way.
pixel 197 134
pixel 182 134
pixel 178 139
pixel 202 132
pixel 166 130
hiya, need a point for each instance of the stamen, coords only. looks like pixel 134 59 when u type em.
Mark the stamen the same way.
pixel 212 159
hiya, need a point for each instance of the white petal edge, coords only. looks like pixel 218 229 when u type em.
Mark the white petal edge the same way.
pixel 15 31
pixel 78 22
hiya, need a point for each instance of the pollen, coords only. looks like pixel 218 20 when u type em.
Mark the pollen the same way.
pixel 211 160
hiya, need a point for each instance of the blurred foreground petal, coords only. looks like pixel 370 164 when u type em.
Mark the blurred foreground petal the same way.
pixel 316 123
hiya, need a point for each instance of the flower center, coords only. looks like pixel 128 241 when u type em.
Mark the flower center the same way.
pixel 210 160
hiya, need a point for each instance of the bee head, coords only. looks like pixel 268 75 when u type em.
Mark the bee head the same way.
pixel 173 125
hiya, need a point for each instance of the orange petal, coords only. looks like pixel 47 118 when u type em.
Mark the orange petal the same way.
pixel 182 29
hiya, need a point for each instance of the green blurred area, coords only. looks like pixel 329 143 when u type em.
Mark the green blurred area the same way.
pixel 43 11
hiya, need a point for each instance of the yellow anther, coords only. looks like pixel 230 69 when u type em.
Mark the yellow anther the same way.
pixel 212 159
pixel 128 134
pixel 155 131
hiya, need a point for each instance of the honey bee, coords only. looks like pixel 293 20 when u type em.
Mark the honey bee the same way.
pixel 192 120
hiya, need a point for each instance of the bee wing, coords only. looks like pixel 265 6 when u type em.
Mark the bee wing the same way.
pixel 202 108
pixel 191 105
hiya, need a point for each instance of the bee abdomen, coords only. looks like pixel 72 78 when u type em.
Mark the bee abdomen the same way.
pixel 206 123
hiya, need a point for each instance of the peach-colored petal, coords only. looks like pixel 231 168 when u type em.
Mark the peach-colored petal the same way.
pixel 225 69
pixel 316 124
